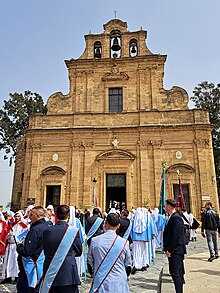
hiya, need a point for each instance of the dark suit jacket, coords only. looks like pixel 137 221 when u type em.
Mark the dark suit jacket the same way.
pixel 33 244
pixel 68 273
pixel 173 235
pixel 32 247
pixel 124 223
pixel 89 224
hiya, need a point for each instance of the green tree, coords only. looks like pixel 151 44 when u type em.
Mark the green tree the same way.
pixel 14 119
pixel 207 97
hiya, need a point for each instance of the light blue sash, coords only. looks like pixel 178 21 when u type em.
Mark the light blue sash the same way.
pixel 94 227
pixel 33 270
pixel 108 262
pixel 128 231
pixel 58 258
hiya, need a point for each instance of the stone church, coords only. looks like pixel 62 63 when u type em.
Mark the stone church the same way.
pixel 107 138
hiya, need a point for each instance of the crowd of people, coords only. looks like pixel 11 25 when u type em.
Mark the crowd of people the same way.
pixel 43 251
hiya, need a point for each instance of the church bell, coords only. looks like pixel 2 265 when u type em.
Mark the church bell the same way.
pixel 98 53
pixel 115 46
pixel 133 49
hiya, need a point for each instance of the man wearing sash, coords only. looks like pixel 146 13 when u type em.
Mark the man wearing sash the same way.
pixel 94 226
pixel 61 244
pixel 110 259
pixel 30 253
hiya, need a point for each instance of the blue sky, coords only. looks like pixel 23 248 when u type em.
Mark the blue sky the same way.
pixel 36 36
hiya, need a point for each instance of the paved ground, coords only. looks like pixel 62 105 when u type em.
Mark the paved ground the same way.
pixel 200 275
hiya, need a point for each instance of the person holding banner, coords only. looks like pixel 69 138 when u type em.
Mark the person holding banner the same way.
pixel 30 254
pixel 110 259
pixel 94 225
pixel 61 244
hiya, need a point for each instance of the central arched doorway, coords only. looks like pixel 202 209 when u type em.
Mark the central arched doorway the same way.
pixel 115 191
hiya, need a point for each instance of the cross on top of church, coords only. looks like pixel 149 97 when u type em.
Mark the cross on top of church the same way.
pixel 115 12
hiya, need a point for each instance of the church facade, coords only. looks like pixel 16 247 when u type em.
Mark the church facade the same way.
pixel 107 138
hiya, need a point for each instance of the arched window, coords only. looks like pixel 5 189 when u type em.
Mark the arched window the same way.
pixel 133 48
pixel 115 44
pixel 97 50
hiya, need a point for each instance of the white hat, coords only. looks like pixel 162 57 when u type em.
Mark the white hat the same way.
pixel 50 207
pixel 112 210
pixel 72 220
pixel 30 207
pixel 11 214
pixel 140 219
pixel 21 215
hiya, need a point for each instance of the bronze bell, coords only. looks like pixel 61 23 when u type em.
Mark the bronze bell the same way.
pixel 98 53
pixel 133 49
pixel 115 46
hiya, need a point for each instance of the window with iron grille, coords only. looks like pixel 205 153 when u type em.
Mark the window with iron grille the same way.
pixel 115 99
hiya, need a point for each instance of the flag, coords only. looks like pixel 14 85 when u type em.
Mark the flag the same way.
pixel 180 202
pixel 163 189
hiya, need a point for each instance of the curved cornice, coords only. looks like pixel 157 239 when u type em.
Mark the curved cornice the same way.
pixel 53 170
pixel 115 154
pixel 179 166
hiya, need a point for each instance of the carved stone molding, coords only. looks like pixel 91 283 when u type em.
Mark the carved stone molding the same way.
pixel 202 142
pixel 35 145
pixel 175 99
pixel 88 72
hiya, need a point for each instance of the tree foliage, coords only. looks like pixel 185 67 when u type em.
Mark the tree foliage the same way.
pixel 14 119
pixel 207 97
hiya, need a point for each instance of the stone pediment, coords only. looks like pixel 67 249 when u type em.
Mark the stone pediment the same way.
pixel 53 170
pixel 116 155
pixel 115 24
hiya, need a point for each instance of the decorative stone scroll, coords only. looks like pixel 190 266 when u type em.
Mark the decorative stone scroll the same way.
pixel 150 142
pixel 35 145
pixel 58 103
pixel 175 99
pixel 115 75
pixel 82 143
